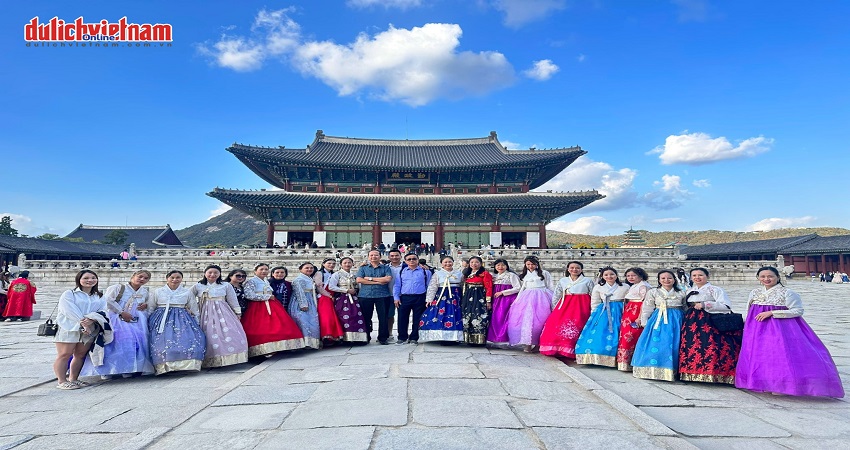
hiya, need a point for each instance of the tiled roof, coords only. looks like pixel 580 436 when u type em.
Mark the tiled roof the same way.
pixel 143 237
pixel 284 199
pixel 746 247
pixel 58 247
pixel 378 154
pixel 822 244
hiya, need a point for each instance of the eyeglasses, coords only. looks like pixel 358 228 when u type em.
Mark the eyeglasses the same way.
pixel 239 276
pixel 412 259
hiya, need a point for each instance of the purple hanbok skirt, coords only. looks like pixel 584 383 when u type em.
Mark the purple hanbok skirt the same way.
pixel 128 353
pixel 350 317
pixel 527 316
pixel 785 356
pixel 501 306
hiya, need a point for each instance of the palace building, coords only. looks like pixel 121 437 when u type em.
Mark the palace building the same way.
pixel 340 191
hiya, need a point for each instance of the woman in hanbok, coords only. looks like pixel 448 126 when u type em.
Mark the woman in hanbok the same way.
pixel 77 329
pixel 128 354
pixel 20 297
pixel 630 329
pixel 281 288
pixel 598 341
pixel 707 354
pixel 657 351
pixel 236 277
pixel 343 284
pixel 780 353
pixel 176 340
pixel 442 320
pixel 569 314
pixel 302 307
pixel 506 285
pixel 476 302
pixel 220 319
pixel 268 327
pixel 532 307
pixel 330 330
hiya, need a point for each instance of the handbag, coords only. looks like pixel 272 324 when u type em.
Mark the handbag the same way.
pixel 49 328
pixel 727 322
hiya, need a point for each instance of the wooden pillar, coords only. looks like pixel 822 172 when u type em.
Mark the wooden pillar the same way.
pixel 287 185
pixel 841 263
pixel 493 184
pixel 823 263
pixel 376 231
pixel 809 268
pixel 497 226
pixel 270 234
pixel 321 187
pixel 543 234
pixel 438 231
pixel 319 226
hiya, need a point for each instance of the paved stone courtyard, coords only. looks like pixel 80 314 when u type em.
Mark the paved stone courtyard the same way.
pixel 423 396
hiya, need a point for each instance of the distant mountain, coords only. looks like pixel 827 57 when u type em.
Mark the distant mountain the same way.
pixel 236 228
pixel 228 229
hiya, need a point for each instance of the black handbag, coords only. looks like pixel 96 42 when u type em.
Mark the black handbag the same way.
pixel 49 328
pixel 727 322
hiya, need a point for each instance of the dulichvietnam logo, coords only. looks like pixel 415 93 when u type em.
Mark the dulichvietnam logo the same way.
pixel 59 33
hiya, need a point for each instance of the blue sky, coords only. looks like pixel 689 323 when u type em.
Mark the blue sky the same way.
pixel 696 114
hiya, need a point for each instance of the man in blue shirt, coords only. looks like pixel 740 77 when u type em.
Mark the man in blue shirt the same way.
pixel 374 279
pixel 409 290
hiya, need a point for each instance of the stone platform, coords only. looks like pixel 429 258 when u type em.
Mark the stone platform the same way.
pixel 423 396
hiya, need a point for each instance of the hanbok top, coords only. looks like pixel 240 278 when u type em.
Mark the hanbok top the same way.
pixel 661 299
pixel 714 300
pixel 778 295
pixel 638 291
pixel 303 291
pixel 532 281
pixel 442 279
pixel 258 289
pixel 341 281
pixel 73 307
pixel 508 277
pixel 321 278
pixel 566 285
pixel 113 303
pixel 182 297
pixel 607 291
pixel 218 291
pixel 482 279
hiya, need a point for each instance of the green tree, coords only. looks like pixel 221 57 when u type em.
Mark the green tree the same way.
pixel 115 237
pixel 49 236
pixel 6 227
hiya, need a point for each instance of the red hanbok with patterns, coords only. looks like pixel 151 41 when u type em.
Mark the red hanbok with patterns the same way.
pixel 569 315
pixel 20 298
pixel 629 329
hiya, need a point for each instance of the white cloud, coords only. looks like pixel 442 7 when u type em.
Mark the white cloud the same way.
pixel 582 225
pixel 700 148
pixel 222 208
pixel 581 57
pixel 669 193
pixel 774 223
pixel 401 4
pixel 702 183
pixel 667 220
pixel 520 12
pixel 414 66
pixel 20 222
pixel 542 70
pixel 584 173
pixel 511 145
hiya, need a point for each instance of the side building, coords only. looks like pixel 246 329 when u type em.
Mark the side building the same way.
pixel 347 191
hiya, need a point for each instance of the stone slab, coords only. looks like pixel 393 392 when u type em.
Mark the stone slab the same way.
pixel 546 390
pixel 143 439
pixel 256 395
pixel 726 394
pixel 806 422
pixel 304 361
pixel 524 373
pixel 735 423
pixel 276 377
pixel 7 442
pixel 442 358
pixel 453 439
pixel 578 439
pixel 461 387
pixel 645 394
pixel 464 412
pixel 369 359
pixel 62 442
pixel 341 438
pixel 237 418
pixel 56 422
pixel 374 347
pixel 348 413
pixel 230 440
pixel 439 371
pixel 149 417
pixel 718 443
pixel 540 413
pixel 811 444
pixel 436 347
pixel 502 360
pixel 357 389
pixel 321 374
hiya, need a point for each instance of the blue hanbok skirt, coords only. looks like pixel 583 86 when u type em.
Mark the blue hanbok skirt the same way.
pixel 443 319
pixel 597 343
pixel 308 322
pixel 657 351
pixel 128 353
pixel 181 345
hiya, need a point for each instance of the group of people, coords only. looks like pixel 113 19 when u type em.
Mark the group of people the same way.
pixel 831 277
pixel 661 332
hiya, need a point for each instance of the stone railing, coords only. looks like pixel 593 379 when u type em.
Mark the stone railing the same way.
pixel 192 262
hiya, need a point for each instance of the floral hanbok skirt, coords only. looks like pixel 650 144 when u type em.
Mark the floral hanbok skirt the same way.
pixel 657 351
pixel 180 346
pixel 226 340
pixel 476 317
pixel 498 331
pixel 785 356
pixel 128 353
pixel 629 335
pixel 527 316
pixel 442 320
pixel 600 336
pixel 348 311
pixel 308 322
pixel 564 325
pixel 706 354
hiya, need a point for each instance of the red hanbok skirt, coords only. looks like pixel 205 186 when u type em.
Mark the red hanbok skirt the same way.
pixel 329 326
pixel 629 334
pixel 270 333
pixel 564 325
pixel 706 354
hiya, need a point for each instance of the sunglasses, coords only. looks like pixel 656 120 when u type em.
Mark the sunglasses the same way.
pixel 411 259
pixel 239 276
